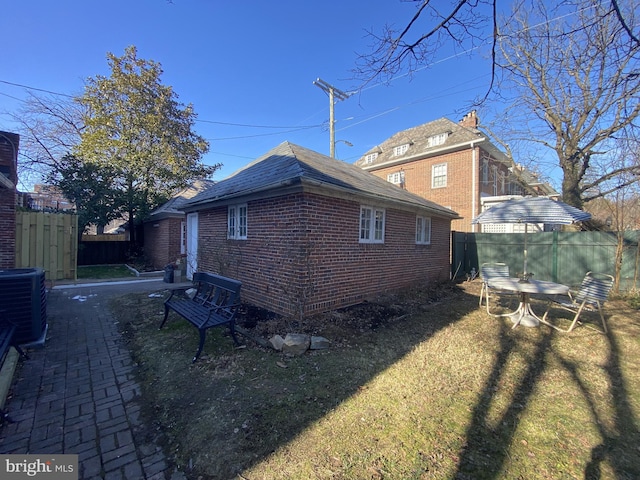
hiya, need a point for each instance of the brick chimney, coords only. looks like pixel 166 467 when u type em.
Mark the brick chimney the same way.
pixel 470 120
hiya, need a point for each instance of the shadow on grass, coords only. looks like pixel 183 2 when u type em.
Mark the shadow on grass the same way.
pixel 624 436
pixel 487 446
pixel 492 444
pixel 250 402
pixel 235 408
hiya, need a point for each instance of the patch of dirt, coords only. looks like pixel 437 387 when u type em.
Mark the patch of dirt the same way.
pixel 237 407
pixel 247 400
pixel 363 317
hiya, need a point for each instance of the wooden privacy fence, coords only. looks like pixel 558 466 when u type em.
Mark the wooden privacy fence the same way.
pixel 49 241
pixel 103 249
pixel 562 257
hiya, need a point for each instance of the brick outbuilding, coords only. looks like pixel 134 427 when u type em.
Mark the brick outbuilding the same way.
pixel 165 229
pixel 306 233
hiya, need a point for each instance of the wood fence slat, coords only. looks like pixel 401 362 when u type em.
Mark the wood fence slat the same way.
pixel 49 241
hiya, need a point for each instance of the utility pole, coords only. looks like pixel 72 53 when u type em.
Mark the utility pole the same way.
pixel 334 95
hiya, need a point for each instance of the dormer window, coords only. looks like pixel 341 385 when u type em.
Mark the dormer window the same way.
pixel 400 149
pixel 436 140
pixel 370 157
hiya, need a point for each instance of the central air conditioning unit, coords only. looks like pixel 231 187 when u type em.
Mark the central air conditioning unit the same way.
pixel 23 302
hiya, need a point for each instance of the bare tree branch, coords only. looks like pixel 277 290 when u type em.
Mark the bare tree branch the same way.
pixel 50 127
pixel 461 22
pixel 623 22
pixel 580 85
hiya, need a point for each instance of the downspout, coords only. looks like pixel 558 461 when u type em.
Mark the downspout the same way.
pixel 473 185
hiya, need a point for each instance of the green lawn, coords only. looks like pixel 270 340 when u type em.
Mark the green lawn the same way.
pixel 445 392
pixel 101 272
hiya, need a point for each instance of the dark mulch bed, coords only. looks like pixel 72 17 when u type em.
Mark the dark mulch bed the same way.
pixel 366 316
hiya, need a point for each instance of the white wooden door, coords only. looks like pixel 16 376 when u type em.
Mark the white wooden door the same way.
pixel 192 244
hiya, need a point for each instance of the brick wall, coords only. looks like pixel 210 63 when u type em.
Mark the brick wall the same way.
pixel 162 241
pixel 302 255
pixel 7 228
pixel 9 143
pixel 457 195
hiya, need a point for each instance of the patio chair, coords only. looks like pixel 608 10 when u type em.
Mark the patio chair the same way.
pixel 591 296
pixel 489 272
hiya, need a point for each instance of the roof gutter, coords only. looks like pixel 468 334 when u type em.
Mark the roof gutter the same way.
pixel 474 172
pixel 432 153
pixel 444 212
pixel 193 206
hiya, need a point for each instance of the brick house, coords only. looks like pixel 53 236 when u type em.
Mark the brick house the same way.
pixel 452 164
pixel 9 143
pixel 47 198
pixel 306 233
pixel 165 229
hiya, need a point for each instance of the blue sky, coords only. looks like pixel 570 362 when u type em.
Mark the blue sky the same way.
pixel 246 63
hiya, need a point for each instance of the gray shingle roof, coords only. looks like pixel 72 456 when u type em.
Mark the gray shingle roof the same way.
pixel 289 164
pixel 173 206
pixel 418 140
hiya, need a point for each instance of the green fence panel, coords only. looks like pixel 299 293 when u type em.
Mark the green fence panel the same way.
pixel 562 257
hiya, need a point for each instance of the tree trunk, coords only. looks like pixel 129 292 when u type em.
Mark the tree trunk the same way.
pixel 571 191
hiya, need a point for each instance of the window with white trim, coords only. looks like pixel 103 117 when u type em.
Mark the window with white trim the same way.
pixel 494 171
pixel 400 149
pixel 396 178
pixel 371 224
pixel 436 140
pixel 237 222
pixel 183 238
pixel 439 175
pixel 369 158
pixel 423 230
pixel 485 171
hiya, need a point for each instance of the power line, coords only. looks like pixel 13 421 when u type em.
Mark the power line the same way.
pixel 257 126
pixel 197 120
pixel 262 134
pixel 12 97
pixel 36 89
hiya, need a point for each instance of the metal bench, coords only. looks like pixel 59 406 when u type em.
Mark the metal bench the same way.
pixel 214 304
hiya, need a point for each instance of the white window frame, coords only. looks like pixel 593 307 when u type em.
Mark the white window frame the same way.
pixel 485 171
pixel 183 238
pixel 494 171
pixel 437 140
pixel 437 175
pixel 237 222
pixel 423 230
pixel 400 150
pixel 372 224
pixel 369 158
pixel 395 178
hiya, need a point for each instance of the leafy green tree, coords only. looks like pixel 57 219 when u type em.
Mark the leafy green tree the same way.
pixel 136 126
pixel 91 188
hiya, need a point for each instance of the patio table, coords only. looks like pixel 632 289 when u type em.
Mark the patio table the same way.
pixel 524 315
